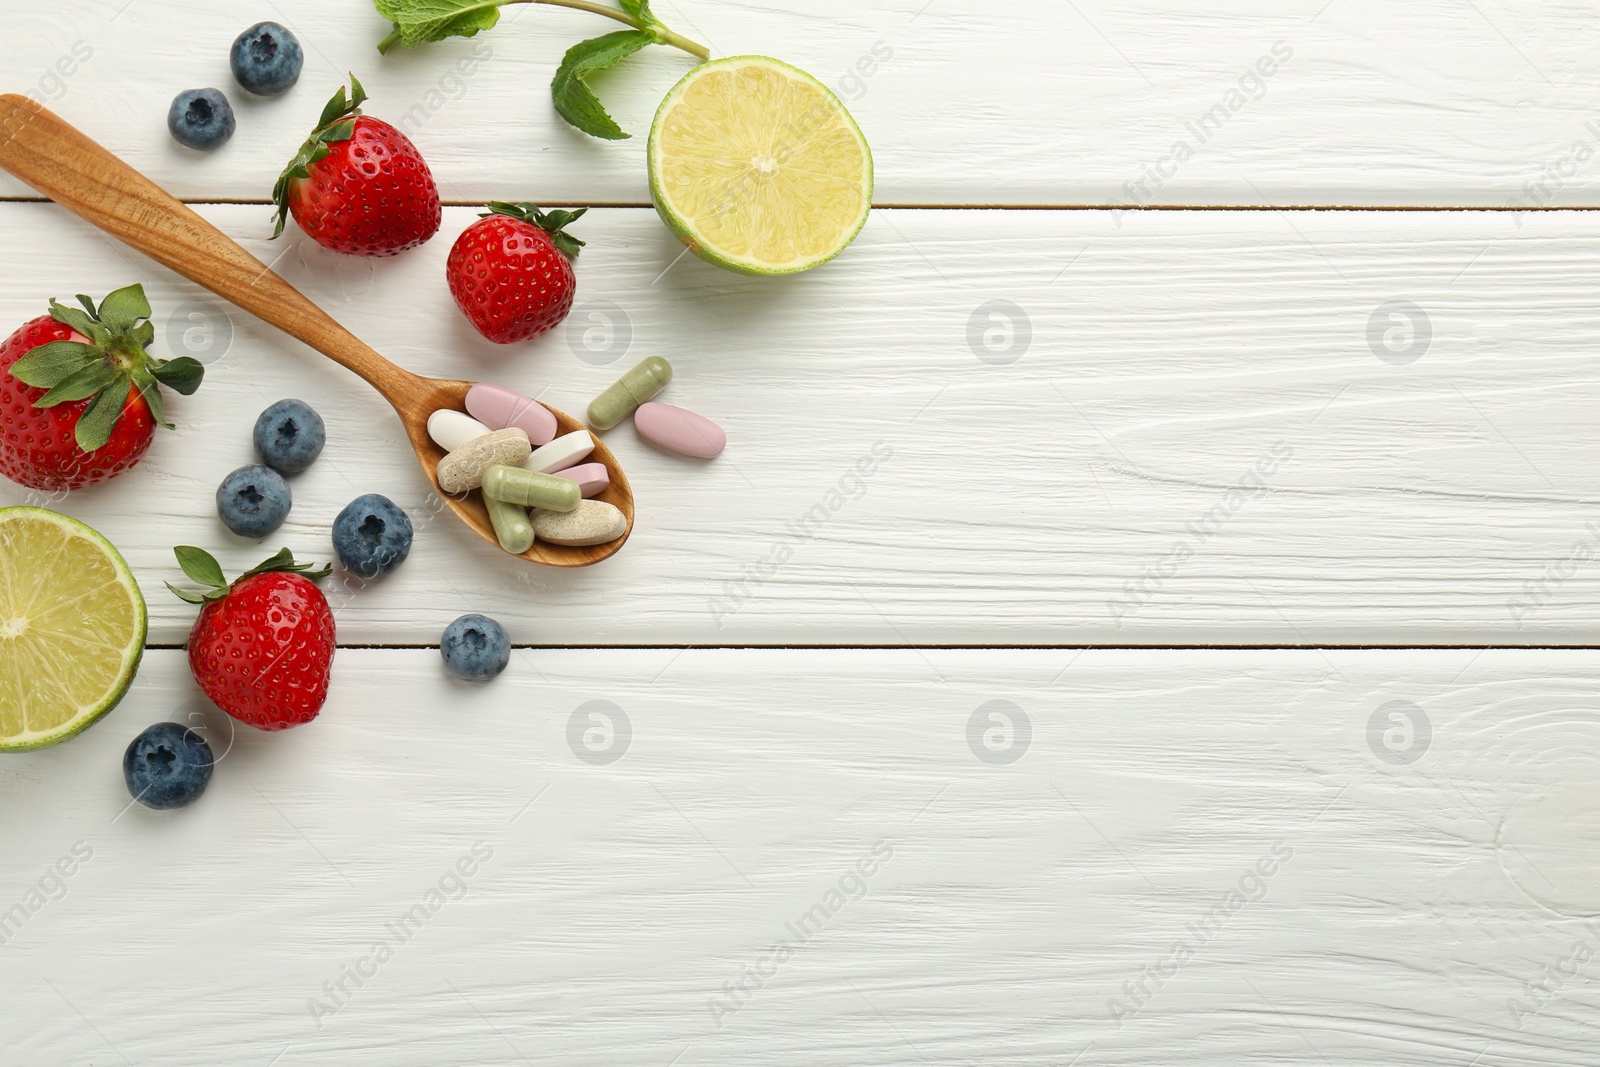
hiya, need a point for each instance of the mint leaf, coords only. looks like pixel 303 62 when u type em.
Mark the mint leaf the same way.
pixel 200 565
pixel 100 417
pixel 182 375
pixel 639 9
pixel 86 382
pixel 49 365
pixel 574 100
pixel 121 309
pixel 420 21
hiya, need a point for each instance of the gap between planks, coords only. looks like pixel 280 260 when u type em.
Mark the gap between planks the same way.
pixel 979 648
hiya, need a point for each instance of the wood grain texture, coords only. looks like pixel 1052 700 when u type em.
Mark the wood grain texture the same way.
pixel 1429 103
pixel 1192 383
pixel 1016 900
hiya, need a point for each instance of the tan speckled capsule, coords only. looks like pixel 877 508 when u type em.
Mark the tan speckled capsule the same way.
pixel 624 395
pixel 463 469
pixel 592 522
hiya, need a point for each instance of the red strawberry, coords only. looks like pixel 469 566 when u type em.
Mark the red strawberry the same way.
pixel 262 647
pixel 78 394
pixel 511 271
pixel 358 185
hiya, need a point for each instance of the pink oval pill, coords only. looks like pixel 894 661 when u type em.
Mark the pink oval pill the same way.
pixel 498 408
pixel 679 429
pixel 592 478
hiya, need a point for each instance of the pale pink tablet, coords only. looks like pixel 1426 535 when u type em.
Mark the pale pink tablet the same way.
pixel 499 408
pixel 679 429
pixel 592 478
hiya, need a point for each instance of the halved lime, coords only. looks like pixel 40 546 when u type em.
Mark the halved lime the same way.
pixel 758 168
pixel 72 626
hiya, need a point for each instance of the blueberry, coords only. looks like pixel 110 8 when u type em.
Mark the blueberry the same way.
pixel 201 118
pixel 266 59
pixel 371 536
pixel 289 436
pixel 253 501
pixel 475 648
pixel 167 766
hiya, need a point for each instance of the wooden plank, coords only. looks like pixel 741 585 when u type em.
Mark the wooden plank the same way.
pixel 1207 432
pixel 1362 102
pixel 1347 899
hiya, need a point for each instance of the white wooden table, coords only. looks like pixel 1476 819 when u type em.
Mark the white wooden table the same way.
pixel 1204 674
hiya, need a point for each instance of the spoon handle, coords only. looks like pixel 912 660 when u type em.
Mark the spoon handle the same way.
pixel 59 161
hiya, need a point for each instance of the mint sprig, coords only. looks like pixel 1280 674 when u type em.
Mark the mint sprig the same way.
pixel 417 22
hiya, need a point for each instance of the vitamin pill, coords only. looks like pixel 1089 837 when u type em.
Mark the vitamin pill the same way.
pixel 498 408
pixel 452 429
pixel 592 478
pixel 628 392
pixel 679 430
pixel 530 489
pixel 592 522
pixel 511 525
pixel 463 468
pixel 565 451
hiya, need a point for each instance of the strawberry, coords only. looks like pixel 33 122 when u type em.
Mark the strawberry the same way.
pixel 262 647
pixel 511 271
pixel 358 185
pixel 78 393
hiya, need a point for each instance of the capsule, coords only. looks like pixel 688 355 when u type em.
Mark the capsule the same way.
pixel 511 525
pixel 530 489
pixel 628 392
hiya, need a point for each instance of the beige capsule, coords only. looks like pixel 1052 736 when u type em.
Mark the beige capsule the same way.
pixel 463 469
pixel 592 522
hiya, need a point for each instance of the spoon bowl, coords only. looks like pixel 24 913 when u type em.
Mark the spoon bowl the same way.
pixel 62 163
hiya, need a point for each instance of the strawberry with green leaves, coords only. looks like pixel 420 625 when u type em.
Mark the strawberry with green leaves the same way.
pixel 358 185
pixel 80 396
pixel 511 271
pixel 263 645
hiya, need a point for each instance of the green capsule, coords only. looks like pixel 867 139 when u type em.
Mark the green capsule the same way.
pixel 511 525
pixel 629 391
pixel 530 489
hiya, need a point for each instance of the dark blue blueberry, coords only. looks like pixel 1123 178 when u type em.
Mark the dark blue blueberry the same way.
pixel 289 436
pixel 201 118
pixel 475 648
pixel 167 766
pixel 253 501
pixel 266 59
pixel 371 536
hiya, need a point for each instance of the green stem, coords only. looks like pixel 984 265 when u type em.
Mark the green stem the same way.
pixel 664 35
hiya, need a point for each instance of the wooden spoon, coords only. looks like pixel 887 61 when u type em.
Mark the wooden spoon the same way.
pixel 69 168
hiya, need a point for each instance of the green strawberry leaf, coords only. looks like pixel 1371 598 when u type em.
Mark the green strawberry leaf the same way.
pixel 182 375
pixel 184 594
pixel 337 123
pixel 100 417
pixel 49 365
pixel 123 309
pixel 88 305
pixel 90 328
pixel 86 382
pixel 552 222
pixel 420 21
pixel 284 561
pixel 200 565
pixel 574 100
pixel 144 380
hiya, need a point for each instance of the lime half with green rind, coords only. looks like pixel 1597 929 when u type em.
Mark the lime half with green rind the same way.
pixel 758 167
pixel 72 627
